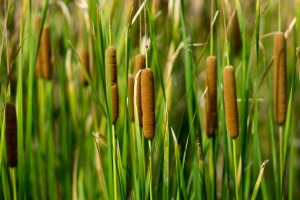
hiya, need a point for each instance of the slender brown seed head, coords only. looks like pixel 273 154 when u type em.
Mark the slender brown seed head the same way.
pixel 140 63
pixel 130 95
pixel 115 102
pixel 280 81
pixel 38 67
pixel 231 110
pixel 11 134
pixel 148 104
pixel 138 100
pixel 234 33
pixel 45 49
pixel 111 64
pixel 211 95
pixel 84 57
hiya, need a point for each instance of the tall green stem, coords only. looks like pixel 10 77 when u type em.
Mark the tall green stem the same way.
pixel 150 169
pixel 235 175
pixel 279 16
pixel 280 161
pixel 114 162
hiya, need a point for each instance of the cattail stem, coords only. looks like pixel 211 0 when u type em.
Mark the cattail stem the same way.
pixel 279 15
pixel 213 168
pixel 226 35
pixel 109 25
pixel 280 162
pixel 211 27
pixel 235 171
pixel 150 167
pixel 12 172
pixel 114 162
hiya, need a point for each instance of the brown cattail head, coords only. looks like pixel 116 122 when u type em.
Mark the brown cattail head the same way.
pixel 211 95
pixel 111 64
pixel 11 134
pixel 234 33
pixel 115 102
pixel 138 99
pixel 140 63
pixel 130 94
pixel 45 52
pixel 38 67
pixel 84 57
pixel 148 104
pixel 232 120
pixel 280 78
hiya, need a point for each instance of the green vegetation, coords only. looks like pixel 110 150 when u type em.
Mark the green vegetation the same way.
pixel 69 145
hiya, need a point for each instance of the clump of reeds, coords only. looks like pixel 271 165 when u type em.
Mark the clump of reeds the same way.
pixel 280 78
pixel 234 33
pixel 140 63
pixel 211 95
pixel 130 94
pixel 231 110
pixel 148 104
pixel 11 134
pixel 43 63
pixel 84 57
pixel 111 66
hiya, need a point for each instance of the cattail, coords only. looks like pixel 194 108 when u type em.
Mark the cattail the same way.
pixel 84 57
pixel 280 78
pixel 111 64
pixel 38 67
pixel 231 110
pixel 11 134
pixel 211 95
pixel 45 52
pixel 115 102
pixel 130 93
pixel 234 32
pixel 148 104
pixel 140 63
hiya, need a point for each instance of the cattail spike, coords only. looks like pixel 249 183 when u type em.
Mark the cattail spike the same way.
pixel 11 134
pixel 38 67
pixel 231 110
pixel 84 57
pixel 280 81
pixel 130 94
pixel 148 104
pixel 138 99
pixel 140 63
pixel 111 64
pixel 115 102
pixel 211 95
